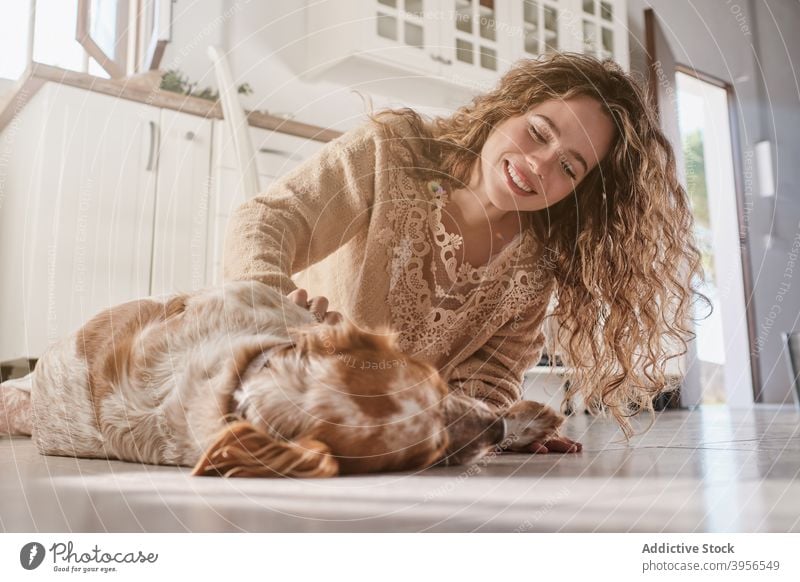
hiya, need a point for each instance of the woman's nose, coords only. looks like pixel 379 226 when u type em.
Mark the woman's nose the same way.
pixel 539 166
pixel 542 160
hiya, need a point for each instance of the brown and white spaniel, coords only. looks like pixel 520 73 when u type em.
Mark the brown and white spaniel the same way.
pixel 239 381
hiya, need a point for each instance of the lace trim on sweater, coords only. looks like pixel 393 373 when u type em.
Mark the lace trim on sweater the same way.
pixel 459 276
pixel 433 318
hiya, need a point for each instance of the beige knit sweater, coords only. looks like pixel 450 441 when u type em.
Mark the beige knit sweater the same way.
pixel 352 225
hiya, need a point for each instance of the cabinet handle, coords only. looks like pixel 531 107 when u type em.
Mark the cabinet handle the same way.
pixel 151 157
pixel 440 59
pixel 282 153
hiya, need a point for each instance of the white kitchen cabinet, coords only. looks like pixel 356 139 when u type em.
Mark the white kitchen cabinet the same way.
pixel 595 27
pixel 474 47
pixel 467 43
pixel 77 225
pixel 102 202
pixel 182 203
pixel 276 154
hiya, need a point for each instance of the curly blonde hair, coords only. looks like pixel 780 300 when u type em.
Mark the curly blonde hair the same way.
pixel 622 246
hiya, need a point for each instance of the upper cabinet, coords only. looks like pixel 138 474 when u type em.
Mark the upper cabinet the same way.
pixel 603 30
pixel 474 45
pixel 462 42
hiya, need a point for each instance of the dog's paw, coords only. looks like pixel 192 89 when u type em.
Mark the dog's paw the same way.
pixel 529 421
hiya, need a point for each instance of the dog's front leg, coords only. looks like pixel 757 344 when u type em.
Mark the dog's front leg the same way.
pixel 533 428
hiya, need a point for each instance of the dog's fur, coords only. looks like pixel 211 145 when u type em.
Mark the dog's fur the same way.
pixel 239 381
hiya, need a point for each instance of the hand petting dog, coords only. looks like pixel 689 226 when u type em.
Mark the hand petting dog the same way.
pixel 557 444
pixel 318 306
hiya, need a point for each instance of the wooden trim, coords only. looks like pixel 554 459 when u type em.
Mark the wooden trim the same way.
pixel 650 39
pixel 744 237
pixel 291 127
pixel 26 87
pixel 83 36
pixel 39 74
pixel 155 54
pixel 691 71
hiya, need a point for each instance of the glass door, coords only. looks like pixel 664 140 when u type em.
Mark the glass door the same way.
pixel 722 338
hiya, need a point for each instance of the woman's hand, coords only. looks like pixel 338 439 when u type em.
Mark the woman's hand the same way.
pixel 318 306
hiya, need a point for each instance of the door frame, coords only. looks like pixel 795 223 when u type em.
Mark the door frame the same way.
pixel 738 178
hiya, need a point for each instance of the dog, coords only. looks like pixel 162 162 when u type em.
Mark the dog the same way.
pixel 239 381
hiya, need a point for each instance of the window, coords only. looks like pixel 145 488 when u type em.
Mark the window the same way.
pixel 54 31
pixel 54 35
pixel 14 31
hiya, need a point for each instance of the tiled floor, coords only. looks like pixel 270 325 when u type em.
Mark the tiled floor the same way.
pixel 707 470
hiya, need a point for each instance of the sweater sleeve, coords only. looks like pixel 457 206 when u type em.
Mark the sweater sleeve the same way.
pixel 305 215
pixel 495 372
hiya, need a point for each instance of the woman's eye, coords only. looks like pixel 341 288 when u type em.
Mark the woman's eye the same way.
pixel 542 139
pixel 536 135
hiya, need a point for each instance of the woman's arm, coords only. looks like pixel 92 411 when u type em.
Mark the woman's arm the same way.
pixel 494 374
pixel 305 215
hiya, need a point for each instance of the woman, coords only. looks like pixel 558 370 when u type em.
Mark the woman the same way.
pixel 457 232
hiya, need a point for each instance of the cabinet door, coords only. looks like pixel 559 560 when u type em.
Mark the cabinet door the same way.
pixel 405 32
pixel 182 203
pixel 544 27
pixel 88 226
pixel 475 40
pixel 595 27
pixel 602 30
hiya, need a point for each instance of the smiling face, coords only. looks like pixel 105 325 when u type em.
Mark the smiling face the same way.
pixel 536 159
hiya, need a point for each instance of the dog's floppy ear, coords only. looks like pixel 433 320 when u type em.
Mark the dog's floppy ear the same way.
pixel 242 450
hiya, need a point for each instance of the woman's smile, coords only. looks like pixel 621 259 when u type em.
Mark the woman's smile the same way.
pixel 518 183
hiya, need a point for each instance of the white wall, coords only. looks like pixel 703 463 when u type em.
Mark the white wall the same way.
pixel 196 25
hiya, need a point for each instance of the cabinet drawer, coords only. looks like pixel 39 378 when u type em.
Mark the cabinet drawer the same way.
pixel 276 153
